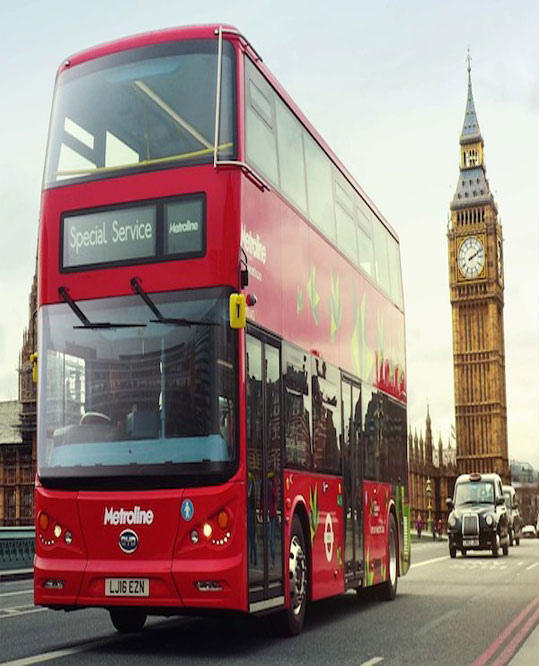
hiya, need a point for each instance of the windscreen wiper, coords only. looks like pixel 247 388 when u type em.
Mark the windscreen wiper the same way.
pixel 86 323
pixel 137 288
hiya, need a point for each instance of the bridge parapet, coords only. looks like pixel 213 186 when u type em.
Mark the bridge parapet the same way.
pixel 17 546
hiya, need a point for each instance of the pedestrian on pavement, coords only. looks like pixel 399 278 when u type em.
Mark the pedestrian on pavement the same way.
pixel 419 525
pixel 440 529
pixel 433 529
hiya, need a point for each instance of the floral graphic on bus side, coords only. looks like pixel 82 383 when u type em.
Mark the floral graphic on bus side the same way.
pixel 314 518
pixel 314 296
pixel 339 558
pixel 299 300
pixel 362 357
pixel 335 309
pixel 370 571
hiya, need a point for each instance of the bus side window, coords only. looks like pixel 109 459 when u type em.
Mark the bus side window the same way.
pixel 297 406
pixel 373 445
pixel 260 136
pixel 326 418
pixel 344 218
pixel 381 259
pixel 395 271
pixel 364 219
pixel 319 188
pixel 291 157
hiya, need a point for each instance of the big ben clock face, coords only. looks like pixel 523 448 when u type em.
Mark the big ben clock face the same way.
pixel 471 257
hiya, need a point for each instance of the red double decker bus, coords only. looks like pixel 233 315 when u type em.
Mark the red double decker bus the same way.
pixel 189 460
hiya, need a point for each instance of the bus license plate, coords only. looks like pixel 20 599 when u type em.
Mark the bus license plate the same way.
pixel 127 587
pixel 470 542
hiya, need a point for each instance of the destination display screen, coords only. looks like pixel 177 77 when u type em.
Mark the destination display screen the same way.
pixel 173 228
pixel 109 236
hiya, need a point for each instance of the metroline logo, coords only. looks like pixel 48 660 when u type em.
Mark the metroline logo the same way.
pixel 122 517
pixel 253 245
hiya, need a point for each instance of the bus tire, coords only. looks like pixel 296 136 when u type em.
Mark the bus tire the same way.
pixel 388 590
pixel 289 622
pixel 128 620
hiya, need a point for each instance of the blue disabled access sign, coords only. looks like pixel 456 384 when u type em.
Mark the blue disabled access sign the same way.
pixel 187 509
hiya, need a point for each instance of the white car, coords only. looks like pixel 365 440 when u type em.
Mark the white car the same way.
pixel 528 531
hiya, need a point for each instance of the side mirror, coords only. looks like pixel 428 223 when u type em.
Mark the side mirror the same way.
pixel 500 501
pixel 515 507
pixel 33 361
pixel 449 503
pixel 244 278
pixel 237 311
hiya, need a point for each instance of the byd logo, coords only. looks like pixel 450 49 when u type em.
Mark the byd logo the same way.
pixel 128 541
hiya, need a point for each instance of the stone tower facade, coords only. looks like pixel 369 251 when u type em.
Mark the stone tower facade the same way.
pixel 477 299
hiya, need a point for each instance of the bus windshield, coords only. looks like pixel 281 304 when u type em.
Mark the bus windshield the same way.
pixel 154 398
pixel 145 108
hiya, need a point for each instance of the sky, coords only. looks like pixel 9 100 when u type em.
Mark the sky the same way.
pixel 385 84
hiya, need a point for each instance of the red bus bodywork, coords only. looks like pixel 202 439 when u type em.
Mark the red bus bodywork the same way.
pixel 296 259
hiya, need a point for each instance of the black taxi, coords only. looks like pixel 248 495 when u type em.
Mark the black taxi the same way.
pixel 478 516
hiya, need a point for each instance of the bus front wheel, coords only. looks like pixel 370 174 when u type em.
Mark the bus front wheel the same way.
pixel 290 621
pixel 128 620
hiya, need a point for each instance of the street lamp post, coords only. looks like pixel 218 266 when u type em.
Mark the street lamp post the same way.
pixel 429 505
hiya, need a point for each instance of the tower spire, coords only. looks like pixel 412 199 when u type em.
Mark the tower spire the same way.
pixel 470 128
pixel 472 187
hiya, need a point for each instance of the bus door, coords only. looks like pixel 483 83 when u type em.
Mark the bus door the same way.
pixel 352 483
pixel 264 472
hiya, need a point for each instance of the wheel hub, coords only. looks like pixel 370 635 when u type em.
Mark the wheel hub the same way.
pixel 392 561
pixel 297 574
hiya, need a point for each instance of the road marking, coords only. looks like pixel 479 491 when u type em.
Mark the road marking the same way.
pixel 422 564
pixel 427 628
pixel 532 566
pixel 57 654
pixel 14 612
pixel 12 594
pixel 517 640
pixel 89 645
pixel 497 642
pixel 371 662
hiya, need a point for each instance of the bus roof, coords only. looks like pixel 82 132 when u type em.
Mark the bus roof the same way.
pixel 209 31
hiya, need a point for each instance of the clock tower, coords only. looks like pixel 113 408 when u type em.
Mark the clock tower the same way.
pixel 476 289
